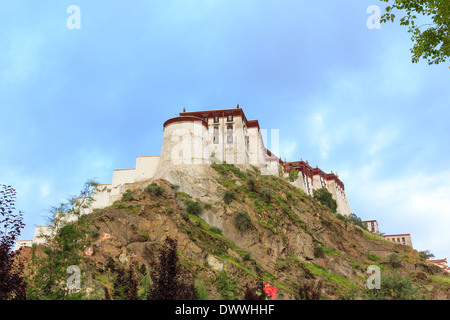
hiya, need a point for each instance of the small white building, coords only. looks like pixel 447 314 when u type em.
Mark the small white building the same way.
pixel 441 263
pixel 372 226
pixel 23 243
pixel 404 239
pixel 42 234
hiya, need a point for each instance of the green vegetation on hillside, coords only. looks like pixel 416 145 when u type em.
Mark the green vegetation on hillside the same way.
pixel 261 229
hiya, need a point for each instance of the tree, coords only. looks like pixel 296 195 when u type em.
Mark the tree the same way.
pixel 226 286
pixel 432 38
pixel 12 284
pixel 293 175
pixel 48 273
pixel 280 171
pixel 132 284
pixel 426 254
pixel 395 260
pixel 324 197
pixel 125 284
pixel 169 281
pixel 242 221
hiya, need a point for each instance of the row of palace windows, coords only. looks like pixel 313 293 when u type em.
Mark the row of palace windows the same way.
pixel 229 135
pixel 216 119
pixel 398 240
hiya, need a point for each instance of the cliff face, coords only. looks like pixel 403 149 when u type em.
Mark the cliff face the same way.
pixel 252 225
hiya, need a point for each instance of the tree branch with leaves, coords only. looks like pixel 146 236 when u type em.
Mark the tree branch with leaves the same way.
pixel 431 40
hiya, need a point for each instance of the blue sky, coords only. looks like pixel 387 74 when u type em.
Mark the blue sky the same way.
pixel 77 104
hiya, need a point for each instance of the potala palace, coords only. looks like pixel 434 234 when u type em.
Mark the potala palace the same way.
pixel 201 138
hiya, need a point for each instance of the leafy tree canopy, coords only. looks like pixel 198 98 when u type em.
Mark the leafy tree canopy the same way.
pixel 432 37
pixel 324 197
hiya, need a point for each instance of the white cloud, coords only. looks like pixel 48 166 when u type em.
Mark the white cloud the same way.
pixel 320 134
pixel 381 139
pixel 416 203
pixel 45 189
pixel 288 150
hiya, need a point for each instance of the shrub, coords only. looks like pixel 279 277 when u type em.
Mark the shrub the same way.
pixel 325 198
pixel 293 175
pixel 154 189
pixel 319 252
pixel 256 169
pixel 266 194
pixel 289 196
pixel 353 219
pixel 174 187
pixel 216 230
pixel 229 196
pixel 226 286
pixel 394 260
pixel 394 286
pixel 310 291
pixel 185 216
pixel 207 206
pixel 126 197
pixel 193 207
pixel 242 221
pixel 280 171
pixel 251 183
pixel 202 293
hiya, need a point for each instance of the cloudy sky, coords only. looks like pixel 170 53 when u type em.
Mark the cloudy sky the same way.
pixel 78 103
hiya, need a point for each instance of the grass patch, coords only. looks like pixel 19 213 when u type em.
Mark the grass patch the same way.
pixel 268 225
pixel 373 257
pixel 341 284
pixel 227 183
pixel 134 208
pixel 193 207
pixel 441 280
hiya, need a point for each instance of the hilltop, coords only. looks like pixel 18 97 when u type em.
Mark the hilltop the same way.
pixel 257 227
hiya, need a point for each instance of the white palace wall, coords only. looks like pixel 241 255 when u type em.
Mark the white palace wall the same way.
pixel 184 144
pixel 339 195
pixel 256 147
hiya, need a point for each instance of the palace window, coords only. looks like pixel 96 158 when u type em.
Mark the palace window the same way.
pixel 216 135
pixel 230 118
pixel 216 119
pixel 205 119
pixel 229 134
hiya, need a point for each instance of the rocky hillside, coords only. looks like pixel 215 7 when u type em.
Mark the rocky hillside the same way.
pixel 257 228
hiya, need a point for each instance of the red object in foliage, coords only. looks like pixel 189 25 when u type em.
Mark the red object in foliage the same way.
pixel 270 291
